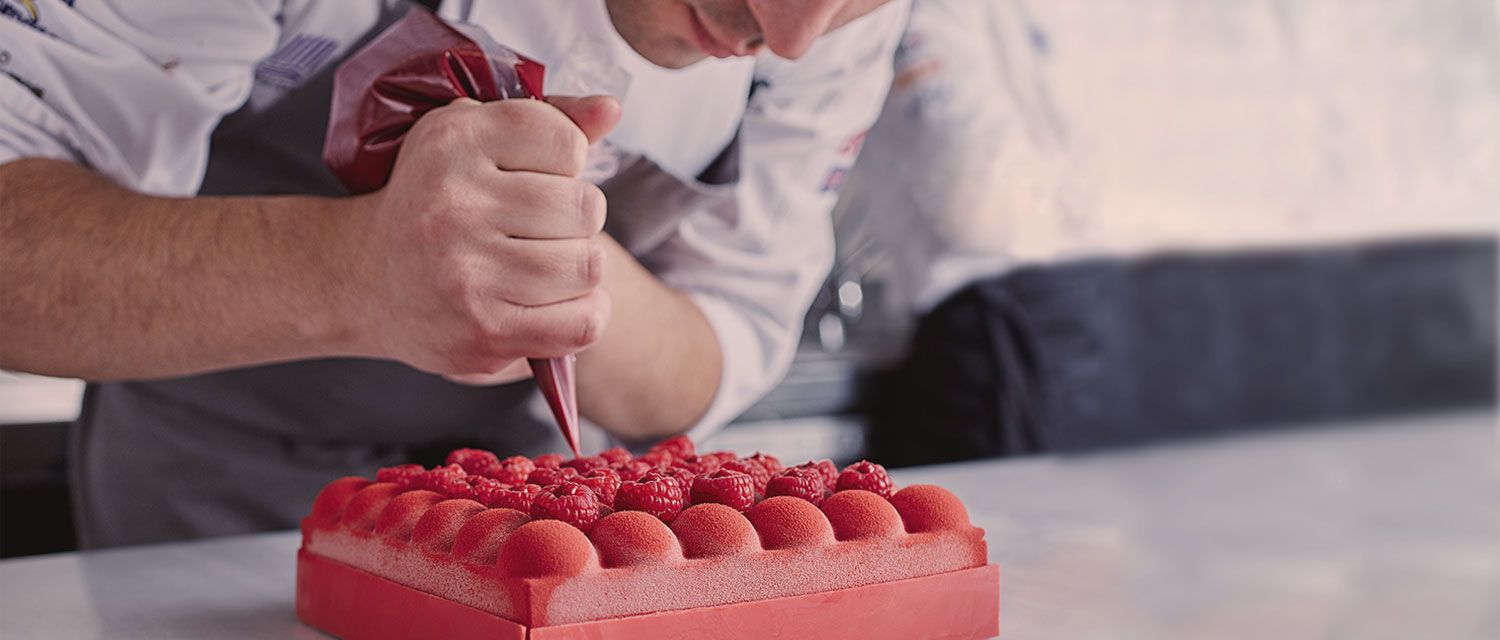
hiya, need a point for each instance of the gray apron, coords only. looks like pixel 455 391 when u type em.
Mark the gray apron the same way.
pixel 247 450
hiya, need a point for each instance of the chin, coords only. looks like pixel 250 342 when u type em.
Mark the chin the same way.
pixel 668 50
pixel 673 49
pixel 678 58
pixel 661 31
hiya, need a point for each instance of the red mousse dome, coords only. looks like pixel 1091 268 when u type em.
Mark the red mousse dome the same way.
pixel 439 526
pixel 785 522
pixel 478 541
pixel 631 538
pixel 926 507
pixel 857 515
pixel 543 548
pixel 712 529
pixel 331 500
pixel 401 514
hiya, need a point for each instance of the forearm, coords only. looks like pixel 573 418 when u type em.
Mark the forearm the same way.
pixel 103 283
pixel 657 368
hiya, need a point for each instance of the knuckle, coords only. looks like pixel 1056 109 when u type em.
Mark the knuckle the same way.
pixel 590 326
pixel 589 330
pixel 439 223
pixel 456 288
pixel 478 333
pixel 489 334
pixel 551 262
pixel 470 306
pixel 591 265
pixel 523 114
pixel 573 146
pixel 516 197
pixel 442 126
pixel 536 263
pixel 526 116
pixel 553 131
pixel 593 205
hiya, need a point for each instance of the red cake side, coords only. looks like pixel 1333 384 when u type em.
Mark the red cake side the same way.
pixel 959 605
pixel 547 572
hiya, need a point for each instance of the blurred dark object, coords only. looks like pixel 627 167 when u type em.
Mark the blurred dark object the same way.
pixel 1102 353
pixel 38 516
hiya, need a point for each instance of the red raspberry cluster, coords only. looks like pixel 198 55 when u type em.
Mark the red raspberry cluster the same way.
pixel 663 481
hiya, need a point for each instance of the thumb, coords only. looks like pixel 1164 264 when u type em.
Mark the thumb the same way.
pixel 595 115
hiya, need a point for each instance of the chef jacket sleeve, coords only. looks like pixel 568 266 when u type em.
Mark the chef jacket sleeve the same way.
pixel 130 89
pixel 754 265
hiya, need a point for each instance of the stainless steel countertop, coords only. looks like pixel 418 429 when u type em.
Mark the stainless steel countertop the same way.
pixel 1381 531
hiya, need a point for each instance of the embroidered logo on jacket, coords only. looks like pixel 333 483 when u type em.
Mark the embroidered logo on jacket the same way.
pixel 25 12
pixel 848 151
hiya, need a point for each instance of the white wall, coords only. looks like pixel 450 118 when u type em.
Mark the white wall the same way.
pixel 1121 127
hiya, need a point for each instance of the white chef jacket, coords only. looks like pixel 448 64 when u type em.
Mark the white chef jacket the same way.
pixel 135 89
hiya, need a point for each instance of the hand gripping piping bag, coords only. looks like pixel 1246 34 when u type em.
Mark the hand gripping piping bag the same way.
pixel 421 63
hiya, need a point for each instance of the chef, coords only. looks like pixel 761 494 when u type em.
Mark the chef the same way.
pixel 167 230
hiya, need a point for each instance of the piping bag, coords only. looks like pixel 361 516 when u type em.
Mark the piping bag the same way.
pixel 421 63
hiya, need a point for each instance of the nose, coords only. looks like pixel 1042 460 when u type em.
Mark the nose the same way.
pixel 749 45
pixel 738 31
pixel 791 27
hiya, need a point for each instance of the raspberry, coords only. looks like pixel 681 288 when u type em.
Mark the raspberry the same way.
pixel 450 481
pixel 798 482
pixel 472 460
pixel 569 502
pixel 750 468
pixel 604 482
pixel 512 470
pixel 655 494
pixel 631 469
pixel 521 462
pixel 722 457
pixel 485 490
pixel 404 475
pixel 730 488
pixel 830 473
pixel 698 464
pixel 657 458
pixel 476 480
pixel 518 498
pixel 768 461
pixel 826 470
pixel 615 455
pixel 678 446
pixel 683 477
pixel 584 465
pixel 868 476
pixel 548 476
pixel 548 461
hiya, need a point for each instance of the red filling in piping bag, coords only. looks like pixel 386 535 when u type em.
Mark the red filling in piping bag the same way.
pixel 560 388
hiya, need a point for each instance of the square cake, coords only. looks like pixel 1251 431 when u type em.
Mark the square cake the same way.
pixel 670 544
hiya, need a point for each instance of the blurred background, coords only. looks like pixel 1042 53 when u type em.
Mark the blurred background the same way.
pixel 1087 225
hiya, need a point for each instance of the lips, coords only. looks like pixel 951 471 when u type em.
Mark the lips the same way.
pixel 706 41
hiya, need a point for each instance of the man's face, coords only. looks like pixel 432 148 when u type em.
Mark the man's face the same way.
pixel 678 33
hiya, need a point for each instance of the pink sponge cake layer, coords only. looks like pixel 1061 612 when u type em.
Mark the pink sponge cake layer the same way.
pixel 548 572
